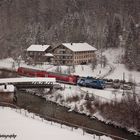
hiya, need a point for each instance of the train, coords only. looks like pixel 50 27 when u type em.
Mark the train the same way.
pixel 91 82
pixel 69 79
pixel 63 78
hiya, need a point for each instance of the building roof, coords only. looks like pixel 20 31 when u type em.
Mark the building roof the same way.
pixel 38 48
pixel 48 55
pixel 79 47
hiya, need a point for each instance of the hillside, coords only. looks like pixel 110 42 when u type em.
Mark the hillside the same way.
pixel 15 124
pixel 105 23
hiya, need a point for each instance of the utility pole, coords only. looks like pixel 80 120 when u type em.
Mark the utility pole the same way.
pixel 100 44
pixel 101 55
pixel 134 103
pixel 123 82
pixel 134 91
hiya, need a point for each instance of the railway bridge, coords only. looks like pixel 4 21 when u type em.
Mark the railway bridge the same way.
pixel 23 83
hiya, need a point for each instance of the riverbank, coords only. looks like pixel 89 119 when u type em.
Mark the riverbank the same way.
pixel 83 104
pixel 40 106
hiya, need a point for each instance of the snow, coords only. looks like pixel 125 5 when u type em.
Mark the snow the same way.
pixel 25 128
pixel 97 115
pixel 6 63
pixel 25 79
pixel 129 75
pixel 40 48
pixel 105 95
pixel 36 67
pixel 9 88
pixel 76 47
pixel 79 47
pixel 82 70
pixel 70 91
pixel 81 90
pixel 13 65
pixel 49 55
pixel 86 70
pixel 115 58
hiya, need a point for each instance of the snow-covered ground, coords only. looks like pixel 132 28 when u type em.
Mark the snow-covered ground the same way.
pixel 115 58
pixel 11 64
pixel 25 128
pixel 105 95
pixel 7 63
pixel 67 97
pixel 83 70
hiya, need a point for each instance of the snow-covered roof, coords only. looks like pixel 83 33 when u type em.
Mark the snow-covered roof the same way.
pixel 39 48
pixel 79 47
pixel 49 55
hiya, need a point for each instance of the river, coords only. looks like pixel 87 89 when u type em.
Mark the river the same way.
pixel 40 106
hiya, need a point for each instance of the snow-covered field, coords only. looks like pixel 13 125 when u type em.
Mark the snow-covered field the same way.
pixel 83 70
pixel 25 128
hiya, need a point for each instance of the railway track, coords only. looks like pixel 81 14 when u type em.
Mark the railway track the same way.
pixel 110 83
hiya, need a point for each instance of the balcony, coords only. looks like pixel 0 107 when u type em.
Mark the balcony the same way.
pixel 62 54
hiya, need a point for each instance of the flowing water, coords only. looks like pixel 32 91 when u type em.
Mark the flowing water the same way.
pixel 40 106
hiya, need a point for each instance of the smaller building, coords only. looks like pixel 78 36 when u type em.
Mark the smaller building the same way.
pixel 39 53
pixel 73 53
pixel 7 93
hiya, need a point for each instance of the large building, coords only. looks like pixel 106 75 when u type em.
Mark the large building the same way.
pixel 73 53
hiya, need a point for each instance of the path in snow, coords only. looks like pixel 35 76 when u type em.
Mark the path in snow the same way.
pixel 112 68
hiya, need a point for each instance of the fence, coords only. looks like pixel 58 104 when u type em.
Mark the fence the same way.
pixel 46 119
pixel 99 98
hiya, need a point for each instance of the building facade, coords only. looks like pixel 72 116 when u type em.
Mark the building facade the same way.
pixel 73 54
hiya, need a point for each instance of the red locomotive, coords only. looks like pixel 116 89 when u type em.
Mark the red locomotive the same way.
pixel 70 79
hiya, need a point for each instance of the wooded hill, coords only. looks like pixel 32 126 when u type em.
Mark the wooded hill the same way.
pixel 105 23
